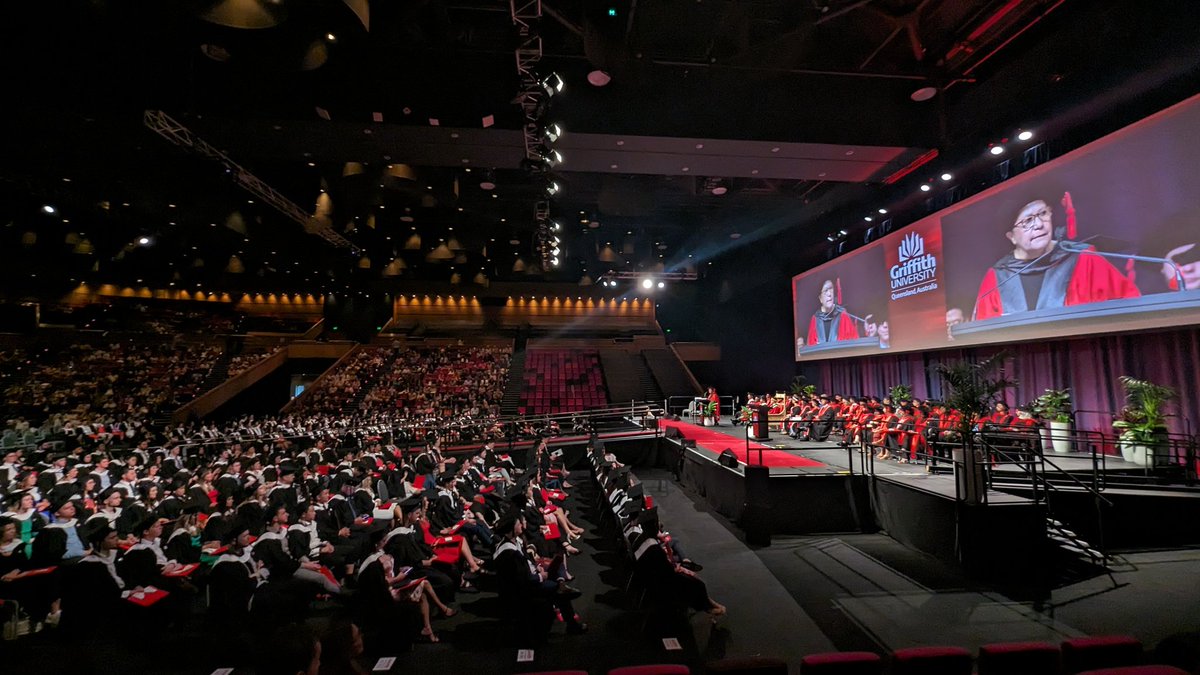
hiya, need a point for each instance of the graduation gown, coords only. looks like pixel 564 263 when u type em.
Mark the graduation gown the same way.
pixel 841 327
pixel 1068 279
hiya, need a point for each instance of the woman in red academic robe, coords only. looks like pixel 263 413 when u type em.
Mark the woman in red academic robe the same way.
pixel 713 398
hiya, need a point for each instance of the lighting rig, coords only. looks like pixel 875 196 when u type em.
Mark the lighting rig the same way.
pixel 174 131
pixel 534 97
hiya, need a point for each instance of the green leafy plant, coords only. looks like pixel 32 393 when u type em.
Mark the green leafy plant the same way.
pixel 797 386
pixel 1143 420
pixel 1055 405
pixel 710 409
pixel 900 393
pixel 973 388
pixel 810 390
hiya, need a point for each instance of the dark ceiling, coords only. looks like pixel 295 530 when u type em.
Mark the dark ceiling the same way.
pixel 726 122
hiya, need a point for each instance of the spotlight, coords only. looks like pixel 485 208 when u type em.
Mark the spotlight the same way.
pixel 1024 135
pixel 661 285
pixel 997 150
pixel 144 241
pixel 553 84
pixel 552 157
pixel 720 190
pixel 554 261
pixel 925 187
pixel 555 251
pixel 331 37
pixel 882 211
pixel 647 284
pixel 552 132
pixel 555 226
pixel 48 209
pixel 868 218
pixel 553 188
pixel 842 233
pixel 947 176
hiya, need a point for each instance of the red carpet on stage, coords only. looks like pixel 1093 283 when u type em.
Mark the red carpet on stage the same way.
pixel 716 441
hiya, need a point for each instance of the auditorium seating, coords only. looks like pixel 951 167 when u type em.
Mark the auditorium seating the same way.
pixel 664 669
pixel 1019 658
pixel 1105 651
pixel 842 663
pixel 562 380
pixel 931 661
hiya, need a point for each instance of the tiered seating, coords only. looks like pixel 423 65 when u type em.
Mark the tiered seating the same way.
pixel 442 381
pixel 339 388
pixel 562 380
pixel 242 362
pixel 123 379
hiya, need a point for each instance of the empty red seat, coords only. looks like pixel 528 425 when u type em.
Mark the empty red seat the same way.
pixel 1019 658
pixel 661 669
pixel 753 665
pixel 931 661
pixel 1138 670
pixel 841 663
pixel 1105 651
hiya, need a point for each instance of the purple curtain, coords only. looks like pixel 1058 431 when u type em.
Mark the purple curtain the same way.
pixel 1089 367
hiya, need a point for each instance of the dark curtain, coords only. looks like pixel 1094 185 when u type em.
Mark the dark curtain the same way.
pixel 1089 367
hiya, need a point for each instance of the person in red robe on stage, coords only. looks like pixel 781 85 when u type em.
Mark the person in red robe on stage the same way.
pixel 1047 275
pixel 712 397
pixel 830 323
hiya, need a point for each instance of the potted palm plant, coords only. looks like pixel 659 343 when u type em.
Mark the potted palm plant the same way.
pixel 1055 407
pixel 1143 421
pixel 972 389
pixel 709 413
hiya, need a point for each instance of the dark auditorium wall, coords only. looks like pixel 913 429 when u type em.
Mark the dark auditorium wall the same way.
pixel 746 308
pixel 271 393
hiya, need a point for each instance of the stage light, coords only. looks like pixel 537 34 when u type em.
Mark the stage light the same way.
pixel 868 218
pixel 925 187
pixel 553 84
pixel 946 176
pixel 552 157
pixel 720 190
pixel 553 188
pixel 647 284
pixel 554 251
pixel 331 37
pixel 48 209
pixel 842 233
pixel 997 150
pixel 144 241
pixel 882 211
pixel 612 11
pixel 552 132
pixel 554 261
pixel 661 285
pixel 1024 135
pixel 555 226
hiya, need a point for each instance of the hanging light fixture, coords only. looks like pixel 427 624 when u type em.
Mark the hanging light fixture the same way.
pixel 413 243
pixel 245 14
pixel 440 253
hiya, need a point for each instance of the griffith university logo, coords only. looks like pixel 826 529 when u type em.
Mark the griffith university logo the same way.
pixel 916 272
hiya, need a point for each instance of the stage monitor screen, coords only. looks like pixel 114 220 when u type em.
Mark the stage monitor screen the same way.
pixel 1103 239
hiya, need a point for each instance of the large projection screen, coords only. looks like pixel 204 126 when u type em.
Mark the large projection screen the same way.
pixel 1103 239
